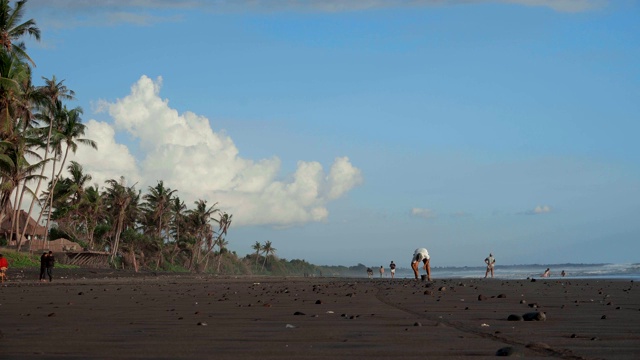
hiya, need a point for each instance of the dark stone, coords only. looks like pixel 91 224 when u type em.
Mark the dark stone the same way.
pixel 481 297
pixel 603 317
pixel 298 313
pixel 417 324
pixel 318 302
pixel 502 296
pixel 509 351
pixel 514 317
pixel 534 316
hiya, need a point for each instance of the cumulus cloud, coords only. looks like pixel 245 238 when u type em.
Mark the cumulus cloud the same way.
pixel 423 213
pixel 66 13
pixel 540 209
pixel 185 152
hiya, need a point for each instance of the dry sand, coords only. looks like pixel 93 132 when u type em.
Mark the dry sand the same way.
pixel 120 315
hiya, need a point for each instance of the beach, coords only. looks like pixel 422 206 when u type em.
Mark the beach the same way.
pixel 111 314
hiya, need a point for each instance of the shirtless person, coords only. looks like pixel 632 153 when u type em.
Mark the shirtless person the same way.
pixel 421 254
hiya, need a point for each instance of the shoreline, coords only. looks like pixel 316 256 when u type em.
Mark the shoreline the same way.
pixel 97 315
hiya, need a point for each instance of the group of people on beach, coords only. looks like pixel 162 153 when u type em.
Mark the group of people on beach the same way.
pixel 392 270
pixel 47 262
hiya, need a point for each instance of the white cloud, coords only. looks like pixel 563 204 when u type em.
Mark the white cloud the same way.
pixel 540 209
pixel 184 152
pixel 423 213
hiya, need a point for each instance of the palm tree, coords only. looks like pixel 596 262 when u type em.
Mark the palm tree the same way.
pixel 158 206
pixel 118 197
pixel 51 113
pixel 68 132
pixel 258 248
pixel 224 222
pixel 177 208
pixel 200 228
pixel 268 250
pixel 92 208
pixel 15 171
pixel 11 30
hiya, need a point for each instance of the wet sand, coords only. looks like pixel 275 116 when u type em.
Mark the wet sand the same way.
pixel 108 314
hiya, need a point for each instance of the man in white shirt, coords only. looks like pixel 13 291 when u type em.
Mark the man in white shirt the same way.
pixel 421 254
pixel 490 261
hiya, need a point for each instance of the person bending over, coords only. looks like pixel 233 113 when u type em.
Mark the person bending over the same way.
pixel 419 255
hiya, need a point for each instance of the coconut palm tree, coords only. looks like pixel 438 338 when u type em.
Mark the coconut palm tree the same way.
pixel 268 250
pixel 158 206
pixel 258 248
pixel 92 208
pixel 177 208
pixel 118 197
pixel 11 30
pixel 68 132
pixel 200 228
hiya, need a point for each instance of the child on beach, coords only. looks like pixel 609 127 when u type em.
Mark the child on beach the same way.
pixel 381 271
pixel 392 269
pixel 4 265
pixel 369 273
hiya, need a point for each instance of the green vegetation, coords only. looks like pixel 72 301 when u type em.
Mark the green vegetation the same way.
pixel 22 260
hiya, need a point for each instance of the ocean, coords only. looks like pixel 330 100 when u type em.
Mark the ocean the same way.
pixel 515 272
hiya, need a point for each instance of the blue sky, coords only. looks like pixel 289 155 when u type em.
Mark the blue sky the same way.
pixel 353 132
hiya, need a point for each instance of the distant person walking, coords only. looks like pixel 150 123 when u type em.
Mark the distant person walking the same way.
pixel 381 271
pixel 50 263
pixel 4 265
pixel 392 269
pixel 547 273
pixel 490 261
pixel 369 273
pixel 563 274
pixel 421 254
pixel 43 266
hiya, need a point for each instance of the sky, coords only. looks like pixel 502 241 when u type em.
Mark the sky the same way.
pixel 355 131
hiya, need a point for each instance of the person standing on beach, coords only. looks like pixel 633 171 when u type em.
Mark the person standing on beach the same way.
pixel 490 261
pixel 369 273
pixel 381 271
pixel 392 269
pixel 4 265
pixel 49 264
pixel 43 265
pixel 421 254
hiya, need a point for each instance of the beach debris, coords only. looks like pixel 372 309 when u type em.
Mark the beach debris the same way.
pixel 482 297
pixel 509 351
pixel 289 326
pixel 573 336
pixel 442 288
pixel 534 316
pixel 484 325
pixel 417 323
pixel 523 301
pixel 502 296
pixel 514 317
pixel 604 317
pixel 533 305
pixel 329 312
pixel 52 314
pixel 299 313
pixel 202 324
pixel 318 302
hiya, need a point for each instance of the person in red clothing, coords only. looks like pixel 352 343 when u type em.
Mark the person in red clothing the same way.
pixel 4 265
